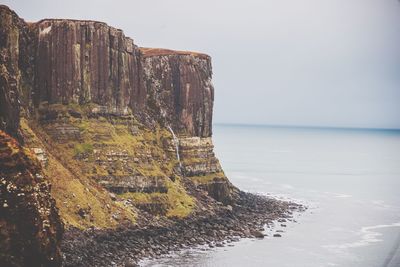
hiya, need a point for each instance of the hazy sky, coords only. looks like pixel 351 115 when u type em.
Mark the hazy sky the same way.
pixel 287 62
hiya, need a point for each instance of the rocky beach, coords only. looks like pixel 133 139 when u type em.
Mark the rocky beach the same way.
pixel 127 245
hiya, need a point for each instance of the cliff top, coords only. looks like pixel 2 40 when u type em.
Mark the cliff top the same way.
pixel 6 8
pixel 78 21
pixel 150 52
pixel 73 20
pixel 147 52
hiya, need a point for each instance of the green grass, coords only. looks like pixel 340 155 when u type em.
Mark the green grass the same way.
pixel 72 188
pixel 84 148
pixel 202 179
pixel 72 177
pixel 179 203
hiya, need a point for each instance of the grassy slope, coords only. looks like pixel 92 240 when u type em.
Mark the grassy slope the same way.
pixel 72 169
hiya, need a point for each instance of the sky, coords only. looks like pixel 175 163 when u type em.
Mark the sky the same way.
pixel 280 62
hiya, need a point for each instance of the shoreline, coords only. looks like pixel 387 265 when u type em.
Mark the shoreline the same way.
pixel 128 245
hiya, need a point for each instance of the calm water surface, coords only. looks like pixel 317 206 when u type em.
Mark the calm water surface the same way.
pixel 349 179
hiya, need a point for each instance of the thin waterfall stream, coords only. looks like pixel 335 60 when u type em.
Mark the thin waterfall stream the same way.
pixel 176 143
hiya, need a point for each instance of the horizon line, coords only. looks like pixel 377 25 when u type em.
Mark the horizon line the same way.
pixel 305 126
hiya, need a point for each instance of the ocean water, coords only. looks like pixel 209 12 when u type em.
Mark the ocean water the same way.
pixel 349 179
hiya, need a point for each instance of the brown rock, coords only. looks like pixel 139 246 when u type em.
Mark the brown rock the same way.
pixel 10 26
pixel 179 89
pixel 257 234
pixel 31 228
pixel 86 61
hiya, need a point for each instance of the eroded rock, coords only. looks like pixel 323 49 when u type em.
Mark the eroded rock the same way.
pixel 31 228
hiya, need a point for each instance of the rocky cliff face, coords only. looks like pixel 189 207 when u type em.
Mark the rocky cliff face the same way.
pixel 10 25
pixel 179 89
pixel 80 62
pixel 85 61
pixel 108 116
pixel 31 228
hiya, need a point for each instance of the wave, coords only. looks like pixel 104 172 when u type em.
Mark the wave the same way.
pixel 368 236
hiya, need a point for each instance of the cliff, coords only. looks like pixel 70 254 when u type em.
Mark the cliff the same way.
pixel 117 147
pixel 122 132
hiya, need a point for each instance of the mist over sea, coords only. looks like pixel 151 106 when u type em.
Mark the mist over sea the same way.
pixel 349 179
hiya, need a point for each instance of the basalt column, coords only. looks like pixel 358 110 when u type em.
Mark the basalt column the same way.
pixel 86 61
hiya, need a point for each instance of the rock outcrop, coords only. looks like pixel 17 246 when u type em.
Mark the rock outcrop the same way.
pixel 30 227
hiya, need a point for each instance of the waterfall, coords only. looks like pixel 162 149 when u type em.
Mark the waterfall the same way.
pixel 176 143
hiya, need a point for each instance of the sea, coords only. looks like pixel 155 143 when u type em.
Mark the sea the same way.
pixel 348 178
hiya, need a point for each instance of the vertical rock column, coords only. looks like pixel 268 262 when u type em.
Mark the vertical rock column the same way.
pixel 10 25
pixel 86 61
